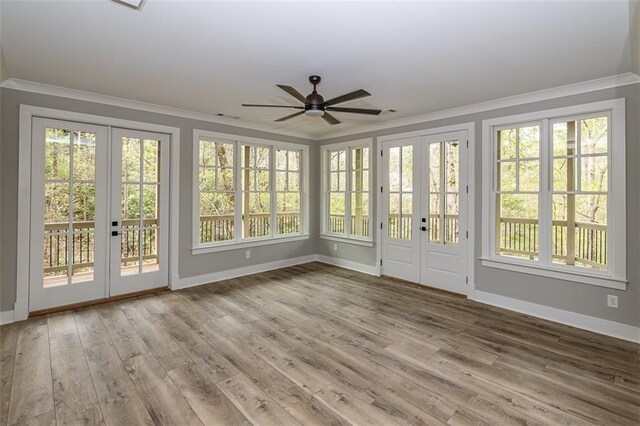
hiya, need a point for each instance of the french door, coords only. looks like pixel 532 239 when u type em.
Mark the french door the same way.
pixel 99 214
pixel 425 210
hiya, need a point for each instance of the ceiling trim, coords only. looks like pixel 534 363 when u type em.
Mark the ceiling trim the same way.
pixel 81 95
pixel 526 98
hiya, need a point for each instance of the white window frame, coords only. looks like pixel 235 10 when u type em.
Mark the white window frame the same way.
pixel 324 229
pixel 239 242
pixel 615 276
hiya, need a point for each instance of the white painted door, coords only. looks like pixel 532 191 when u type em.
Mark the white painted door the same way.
pixel 69 205
pixel 400 207
pixel 139 211
pixel 424 210
pixel 99 212
pixel 443 166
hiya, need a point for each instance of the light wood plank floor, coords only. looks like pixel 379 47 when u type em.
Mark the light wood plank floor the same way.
pixel 311 344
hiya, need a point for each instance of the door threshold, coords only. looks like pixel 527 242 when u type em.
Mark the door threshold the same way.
pixel 96 302
pixel 426 287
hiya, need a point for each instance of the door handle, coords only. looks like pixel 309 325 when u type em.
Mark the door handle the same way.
pixel 115 233
pixel 423 228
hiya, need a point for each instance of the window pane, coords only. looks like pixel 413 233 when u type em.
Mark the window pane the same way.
pixel 593 136
pixel 394 169
pixel 130 201
pixel 579 233
pixel 207 153
pixel 150 162
pixel 56 158
pixel 84 202
pixel 281 181
pixel 334 184
pixel 294 181
pixel 207 179
pixel 529 142
pixel 406 220
pixel 130 251
pixel 55 256
pixel 507 144
pixel 434 217
pixel 281 160
pixel 84 156
pixel 257 216
pixel 216 217
pixel 130 160
pixel 263 180
pixel 529 175
pixel 518 224
pixel 224 154
pixel 360 214
pixel 225 180
pixel 507 172
pixel 452 165
pixel 336 203
pixel 56 202
pixel 407 168
pixel 294 160
pixel 561 143
pixel 82 255
pixel 451 219
pixel 342 181
pixel 564 174
pixel 150 259
pixel 434 167
pixel 394 216
pixel 288 213
pixel 594 174
pixel 150 201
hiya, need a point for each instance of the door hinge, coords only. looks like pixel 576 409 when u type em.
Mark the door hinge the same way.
pixel 381 190
pixel 467 280
pixel 381 151
pixel 467 235
pixel 467 143
pixel 380 262
pixel 380 225
pixel 467 189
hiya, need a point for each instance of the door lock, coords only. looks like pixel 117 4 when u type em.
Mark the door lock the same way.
pixel 115 233
pixel 423 228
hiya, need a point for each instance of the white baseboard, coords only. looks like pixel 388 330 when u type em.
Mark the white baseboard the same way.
pixel 347 264
pixel 585 322
pixel 6 317
pixel 239 272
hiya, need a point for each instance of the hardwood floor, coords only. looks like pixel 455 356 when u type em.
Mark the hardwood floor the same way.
pixel 311 344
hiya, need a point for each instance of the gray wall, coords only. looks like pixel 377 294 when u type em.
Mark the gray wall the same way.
pixel 189 265
pixel 570 296
pixel 585 299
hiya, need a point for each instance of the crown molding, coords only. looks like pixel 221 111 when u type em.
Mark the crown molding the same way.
pixel 525 98
pixel 81 95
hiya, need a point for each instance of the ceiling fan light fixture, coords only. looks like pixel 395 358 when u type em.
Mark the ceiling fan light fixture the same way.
pixel 314 112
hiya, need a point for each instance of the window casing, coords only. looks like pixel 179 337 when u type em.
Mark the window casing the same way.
pixel 346 186
pixel 247 192
pixel 549 204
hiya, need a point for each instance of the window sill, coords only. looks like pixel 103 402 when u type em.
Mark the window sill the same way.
pixel 348 240
pixel 247 244
pixel 599 280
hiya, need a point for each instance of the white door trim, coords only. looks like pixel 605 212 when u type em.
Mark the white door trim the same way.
pixel 27 113
pixel 470 129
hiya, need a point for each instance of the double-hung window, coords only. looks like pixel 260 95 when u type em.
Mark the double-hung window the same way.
pixel 346 184
pixel 555 193
pixel 247 191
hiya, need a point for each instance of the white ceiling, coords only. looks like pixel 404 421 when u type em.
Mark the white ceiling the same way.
pixel 415 57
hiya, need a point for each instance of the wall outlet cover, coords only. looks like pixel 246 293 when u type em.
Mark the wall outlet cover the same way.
pixel 247 254
pixel 612 301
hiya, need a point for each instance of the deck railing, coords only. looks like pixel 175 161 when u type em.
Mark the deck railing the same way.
pixel 517 237
pixel 221 227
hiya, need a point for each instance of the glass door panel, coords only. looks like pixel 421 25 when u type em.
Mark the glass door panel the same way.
pixel 68 213
pixel 139 211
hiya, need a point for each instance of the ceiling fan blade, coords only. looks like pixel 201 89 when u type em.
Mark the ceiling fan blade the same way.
pixel 293 92
pixel 355 110
pixel 348 97
pixel 330 119
pixel 272 106
pixel 295 114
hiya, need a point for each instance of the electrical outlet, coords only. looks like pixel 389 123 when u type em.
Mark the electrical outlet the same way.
pixel 612 301
pixel 247 254
pixel 335 247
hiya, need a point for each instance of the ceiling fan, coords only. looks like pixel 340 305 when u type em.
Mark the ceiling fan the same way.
pixel 316 106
